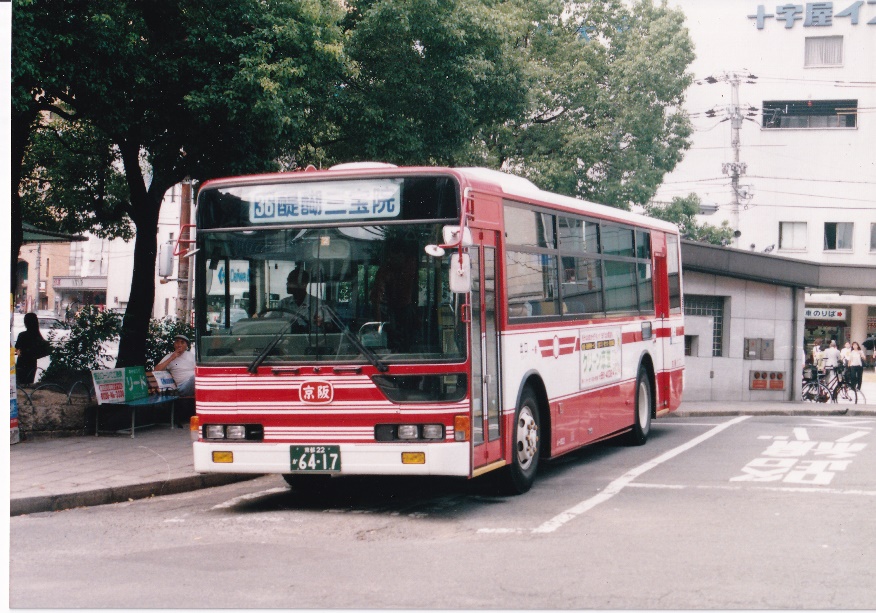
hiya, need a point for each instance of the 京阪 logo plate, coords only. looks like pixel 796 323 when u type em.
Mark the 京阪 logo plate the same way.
pixel 317 392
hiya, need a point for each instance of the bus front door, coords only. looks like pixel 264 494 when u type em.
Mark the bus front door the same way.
pixel 485 356
pixel 661 307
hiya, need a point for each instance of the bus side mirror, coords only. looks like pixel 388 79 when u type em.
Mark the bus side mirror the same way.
pixel 460 273
pixel 453 237
pixel 165 259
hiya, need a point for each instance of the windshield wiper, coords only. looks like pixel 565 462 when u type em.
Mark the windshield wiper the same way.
pixel 375 361
pixel 254 367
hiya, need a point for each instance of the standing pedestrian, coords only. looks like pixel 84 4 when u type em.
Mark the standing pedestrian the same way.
pixel 832 359
pixel 856 366
pixel 30 346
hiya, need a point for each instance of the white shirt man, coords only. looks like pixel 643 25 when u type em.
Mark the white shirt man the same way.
pixel 180 363
pixel 832 357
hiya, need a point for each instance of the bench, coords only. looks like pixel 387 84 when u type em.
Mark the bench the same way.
pixel 132 388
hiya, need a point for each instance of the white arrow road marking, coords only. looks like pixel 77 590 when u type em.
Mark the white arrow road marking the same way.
pixel 620 483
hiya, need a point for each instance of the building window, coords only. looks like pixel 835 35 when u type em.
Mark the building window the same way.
pixel 709 306
pixel 838 235
pixel 690 345
pixel 824 51
pixel 873 237
pixel 792 235
pixel 810 114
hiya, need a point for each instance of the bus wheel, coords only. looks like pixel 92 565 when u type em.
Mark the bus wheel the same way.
pixel 520 474
pixel 642 426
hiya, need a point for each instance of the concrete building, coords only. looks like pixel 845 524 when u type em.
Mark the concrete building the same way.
pixel 784 108
pixel 744 319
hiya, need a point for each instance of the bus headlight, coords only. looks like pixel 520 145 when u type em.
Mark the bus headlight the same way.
pixel 214 431
pixel 236 432
pixel 433 431
pixel 408 432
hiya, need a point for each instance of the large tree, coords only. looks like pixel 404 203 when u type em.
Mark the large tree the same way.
pixel 181 88
pixel 72 181
pixel 604 118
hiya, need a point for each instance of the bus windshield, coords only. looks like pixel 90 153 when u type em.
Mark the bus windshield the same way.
pixel 327 294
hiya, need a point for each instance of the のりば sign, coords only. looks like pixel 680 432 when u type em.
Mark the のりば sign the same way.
pixel 327 201
pixel 829 314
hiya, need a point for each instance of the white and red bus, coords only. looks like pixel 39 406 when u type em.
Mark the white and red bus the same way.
pixel 440 321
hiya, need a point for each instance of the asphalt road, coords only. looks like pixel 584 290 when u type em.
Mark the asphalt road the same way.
pixel 748 512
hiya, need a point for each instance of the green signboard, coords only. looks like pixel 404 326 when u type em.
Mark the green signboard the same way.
pixel 120 385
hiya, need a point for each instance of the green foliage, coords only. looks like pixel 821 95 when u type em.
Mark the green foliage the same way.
pixel 605 84
pixel 181 89
pixel 160 340
pixel 72 182
pixel 85 349
pixel 426 75
pixel 93 329
pixel 681 211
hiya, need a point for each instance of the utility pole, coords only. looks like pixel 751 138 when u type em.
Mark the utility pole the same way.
pixel 735 169
pixel 184 270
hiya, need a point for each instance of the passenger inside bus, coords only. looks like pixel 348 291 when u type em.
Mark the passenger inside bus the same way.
pixel 393 295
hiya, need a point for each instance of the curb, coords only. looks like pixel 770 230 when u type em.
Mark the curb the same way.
pixel 124 493
pixel 772 412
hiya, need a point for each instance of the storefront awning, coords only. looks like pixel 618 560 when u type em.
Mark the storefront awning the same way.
pixel 32 234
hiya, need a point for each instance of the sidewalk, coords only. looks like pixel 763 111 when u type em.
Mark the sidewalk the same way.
pixel 63 473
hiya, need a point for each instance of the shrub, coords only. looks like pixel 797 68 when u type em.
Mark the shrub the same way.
pixel 85 349
pixel 91 332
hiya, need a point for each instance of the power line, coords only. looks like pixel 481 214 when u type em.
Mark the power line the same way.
pixel 872 202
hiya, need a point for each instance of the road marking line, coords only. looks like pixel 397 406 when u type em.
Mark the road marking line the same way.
pixel 739 488
pixel 621 482
pixel 234 501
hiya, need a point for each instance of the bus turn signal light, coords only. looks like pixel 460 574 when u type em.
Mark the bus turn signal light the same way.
pixel 461 428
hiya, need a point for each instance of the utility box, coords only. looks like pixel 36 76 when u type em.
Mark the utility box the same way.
pixel 759 349
pixel 751 349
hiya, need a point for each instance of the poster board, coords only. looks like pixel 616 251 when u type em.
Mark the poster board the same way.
pixel 120 385
pixel 163 381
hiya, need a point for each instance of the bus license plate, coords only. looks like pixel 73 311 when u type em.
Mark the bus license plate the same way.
pixel 316 458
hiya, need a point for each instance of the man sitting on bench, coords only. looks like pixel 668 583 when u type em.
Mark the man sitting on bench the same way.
pixel 180 363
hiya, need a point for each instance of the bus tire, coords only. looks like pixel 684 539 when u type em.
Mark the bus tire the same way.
pixel 643 402
pixel 519 475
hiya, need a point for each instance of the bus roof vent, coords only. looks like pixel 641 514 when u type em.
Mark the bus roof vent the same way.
pixel 362 165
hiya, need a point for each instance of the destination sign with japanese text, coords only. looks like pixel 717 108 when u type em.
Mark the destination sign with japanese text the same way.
pixel 331 201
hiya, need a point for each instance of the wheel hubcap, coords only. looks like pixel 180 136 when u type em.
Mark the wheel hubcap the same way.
pixel 527 438
pixel 644 406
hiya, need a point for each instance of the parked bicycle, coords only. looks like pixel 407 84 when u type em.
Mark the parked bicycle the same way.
pixel 814 390
pixel 835 383
pixel 843 390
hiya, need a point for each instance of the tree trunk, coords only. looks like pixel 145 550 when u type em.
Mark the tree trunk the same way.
pixel 145 206
pixel 22 125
